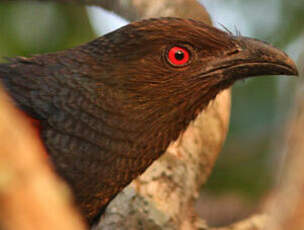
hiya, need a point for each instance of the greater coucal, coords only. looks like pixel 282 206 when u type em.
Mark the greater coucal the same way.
pixel 107 109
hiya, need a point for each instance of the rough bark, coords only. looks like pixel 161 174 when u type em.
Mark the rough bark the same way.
pixel 163 196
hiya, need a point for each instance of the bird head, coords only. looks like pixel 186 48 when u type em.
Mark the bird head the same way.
pixel 169 67
pixel 171 57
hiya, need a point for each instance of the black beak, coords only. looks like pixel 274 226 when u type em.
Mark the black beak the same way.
pixel 263 59
pixel 250 58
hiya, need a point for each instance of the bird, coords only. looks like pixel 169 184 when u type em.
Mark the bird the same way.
pixel 108 108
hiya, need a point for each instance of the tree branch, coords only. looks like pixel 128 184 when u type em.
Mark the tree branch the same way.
pixel 138 9
pixel 31 197
pixel 287 207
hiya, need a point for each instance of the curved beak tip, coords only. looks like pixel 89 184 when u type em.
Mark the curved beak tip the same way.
pixel 279 63
pixel 293 68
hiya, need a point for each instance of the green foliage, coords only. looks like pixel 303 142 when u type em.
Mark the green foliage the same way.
pixel 31 27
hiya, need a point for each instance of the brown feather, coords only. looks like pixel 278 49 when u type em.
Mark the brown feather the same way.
pixel 110 107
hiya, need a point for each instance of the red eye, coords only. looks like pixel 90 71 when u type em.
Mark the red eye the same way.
pixel 178 56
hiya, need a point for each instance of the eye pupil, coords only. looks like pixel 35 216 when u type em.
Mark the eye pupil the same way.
pixel 179 55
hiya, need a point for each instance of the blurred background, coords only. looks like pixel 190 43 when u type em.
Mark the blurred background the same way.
pixel 250 161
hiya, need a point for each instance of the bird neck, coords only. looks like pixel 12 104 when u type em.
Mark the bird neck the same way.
pixel 163 120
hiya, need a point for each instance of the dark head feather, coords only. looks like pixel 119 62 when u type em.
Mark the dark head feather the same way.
pixel 112 106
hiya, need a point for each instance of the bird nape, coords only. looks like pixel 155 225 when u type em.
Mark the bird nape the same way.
pixel 109 108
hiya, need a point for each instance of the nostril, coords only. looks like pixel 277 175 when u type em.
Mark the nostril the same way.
pixel 233 52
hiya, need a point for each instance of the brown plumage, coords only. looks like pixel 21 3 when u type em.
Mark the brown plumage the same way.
pixel 110 107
